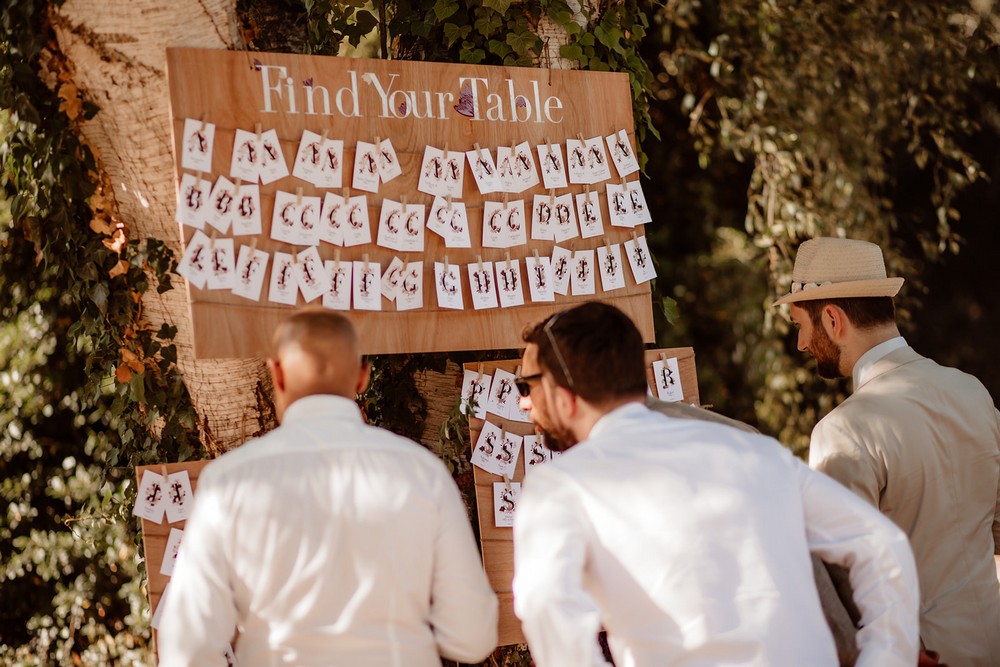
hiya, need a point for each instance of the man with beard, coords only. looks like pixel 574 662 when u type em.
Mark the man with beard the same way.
pixel 917 440
pixel 687 541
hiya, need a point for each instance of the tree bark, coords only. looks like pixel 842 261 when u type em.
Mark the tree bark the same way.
pixel 118 51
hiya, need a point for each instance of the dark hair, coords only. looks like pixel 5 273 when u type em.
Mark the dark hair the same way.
pixel 864 312
pixel 602 350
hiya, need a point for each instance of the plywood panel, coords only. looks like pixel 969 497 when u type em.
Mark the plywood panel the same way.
pixel 227 89
pixel 498 543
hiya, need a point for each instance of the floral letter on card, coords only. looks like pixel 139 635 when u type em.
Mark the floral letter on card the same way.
pixel 170 553
pixel 509 283
pixel 668 380
pixel 222 205
pixel 539 270
pixel 475 389
pixel 502 394
pixel 483 170
pixel 195 263
pixel 505 503
pixel 358 230
pixel 639 259
pixel 411 287
pixel 222 265
pixel 366 174
pixel 448 284
pixel 562 261
pixel 284 284
pixel 338 293
pixel 272 161
pixel 591 218
pixel 582 278
pixel 246 217
pixel 197 145
pixel 250 268
pixel 482 286
pixel 553 167
pixel 609 263
pixel 150 499
pixel 621 153
pixel 311 274
pixel 179 496
pixel 367 285
pixel 193 201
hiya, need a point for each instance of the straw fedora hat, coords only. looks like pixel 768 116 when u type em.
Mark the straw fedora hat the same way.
pixel 829 268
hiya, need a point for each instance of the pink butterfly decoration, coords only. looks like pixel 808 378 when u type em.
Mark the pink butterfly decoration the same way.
pixel 465 104
pixel 402 108
pixel 257 64
pixel 521 102
pixel 308 82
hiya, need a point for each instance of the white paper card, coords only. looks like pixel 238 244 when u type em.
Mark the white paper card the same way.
pixel 484 170
pixel 640 211
pixel 448 285
pixel 411 288
pixel 523 162
pixel 562 265
pixel 450 222
pixel 222 265
pixel 392 278
pixel 358 229
pixel 230 656
pixel 272 161
pixel 496 451
pixel 295 219
pixel 542 221
pixel 170 552
pixel 591 218
pixel 502 394
pixel 332 219
pixel 576 160
pixel 539 276
pixel 246 216
pixel 365 173
pixel 284 284
pixel 550 157
pixel 609 264
pixel 494 221
pixel 565 217
pixel 388 163
pixel 401 227
pixel 597 160
pixel 331 171
pixel 150 499
pixel 199 137
pixel 582 278
pixel 221 205
pixel 482 285
pixel 250 268
pixel 505 170
pixel 442 174
pixel 310 273
pixel 535 452
pixel 245 162
pixel 367 285
pixel 475 390
pixel 193 197
pixel 620 206
pixel 195 262
pixel 668 380
pixel 509 284
pixel 338 292
pixel 505 498
pixel 621 153
pixel 309 157
pixel 508 449
pixel 639 260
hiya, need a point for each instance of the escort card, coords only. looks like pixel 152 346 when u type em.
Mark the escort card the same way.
pixel 484 170
pixel 449 220
pixel 535 452
pixel 668 380
pixel 640 211
pixel 542 224
pixel 505 498
pixel 196 145
pixel 338 292
pixel 539 272
pixel 272 162
pixel 475 390
pixel 582 276
pixel 284 284
pixel 332 219
pixel 245 162
pixel 509 285
pixel 250 268
pixel 550 157
pixel 388 164
pixel 221 205
pixel 150 499
pixel 366 171
pixel 193 201
pixel 392 279
pixel 246 216
pixel 565 218
pixel 609 264
pixel 194 264
pixel 448 284
pixel 591 219
pixel 621 153
pixel 311 274
pixel 561 270
pixel 222 265
pixel 170 552
pixel 411 289
pixel 482 285
pixel 639 260
pixel 358 229
pixel 367 285
pixel 620 205
pixel 502 394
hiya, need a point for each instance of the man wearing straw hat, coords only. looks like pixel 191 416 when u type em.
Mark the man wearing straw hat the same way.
pixel 919 441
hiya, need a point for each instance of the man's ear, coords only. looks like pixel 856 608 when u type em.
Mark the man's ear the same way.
pixel 363 377
pixel 277 374
pixel 835 321
pixel 566 400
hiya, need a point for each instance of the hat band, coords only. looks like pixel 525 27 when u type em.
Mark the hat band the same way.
pixel 802 287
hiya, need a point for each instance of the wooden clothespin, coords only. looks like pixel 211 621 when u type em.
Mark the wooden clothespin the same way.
pixel 479 375
pixel 347 192
pixel 479 262
pixel 446 150
pixel 448 199
pixel 634 238
pixel 587 196
pixel 163 471
pixel 506 200
pixel 552 196
pixel 238 184
pixel 253 247
pixel 336 259
pixel 295 257
pixel 506 482
pixel 211 240
pixel 548 145
pixel 446 263
pixel 298 196
pixel 204 122
pixel 402 202
pixel 258 129
pixel 378 143
pixel 364 258
pixel 479 151
pixel 579 135
pixel 324 135
pixel 199 176
pixel 506 260
pixel 535 253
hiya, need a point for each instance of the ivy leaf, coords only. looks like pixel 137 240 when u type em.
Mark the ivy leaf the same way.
pixel 445 8
pixel 523 43
pixel 668 307
pixel 453 33
pixel 470 55
pixel 99 295
pixel 571 51
pixel 498 48
pixel 499 6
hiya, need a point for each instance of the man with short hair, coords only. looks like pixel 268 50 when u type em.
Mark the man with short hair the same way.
pixel 687 541
pixel 327 541
pixel 919 441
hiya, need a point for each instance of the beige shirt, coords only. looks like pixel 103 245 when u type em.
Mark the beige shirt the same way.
pixel 922 443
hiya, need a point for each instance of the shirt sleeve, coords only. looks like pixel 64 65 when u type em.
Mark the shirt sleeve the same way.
pixel 834 452
pixel 842 529
pixel 559 618
pixel 463 612
pixel 199 618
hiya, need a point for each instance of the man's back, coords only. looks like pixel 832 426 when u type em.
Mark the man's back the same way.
pixel 922 443
pixel 340 544
pixel 696 545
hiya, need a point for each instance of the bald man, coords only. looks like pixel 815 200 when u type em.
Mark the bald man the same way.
pixel 327 541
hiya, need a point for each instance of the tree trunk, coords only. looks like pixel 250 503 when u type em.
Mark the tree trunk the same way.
pixel 118 51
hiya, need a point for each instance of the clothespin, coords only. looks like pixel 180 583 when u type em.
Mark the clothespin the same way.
pixel 211 240
pixel 402 202
pixel 236 189
pixel 663 356
pixel 446 263
pixel 323 136
pixel 347 193
pixel 624 184
pixel 295 257
pixel 448 199
pixel 298 196
pixel 548 145
pixel 446 150
pixel 378 143
pixel 506 259
pixel 479 375
pixel 336 259
pixel 163 471
pixel 579 135
pixel 506 200
pixel 587 197
pixel 364 258
pixel 203 123
pixel 634 238
pixel 199 176
pixel 258 129
pixel 253 247
pixel 479 151
pixel 479 262
pixel 552 196
pixel 506 482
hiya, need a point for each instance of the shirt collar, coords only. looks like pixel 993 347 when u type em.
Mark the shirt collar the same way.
pixel 608 421
pixel 322 405
pixel 863 367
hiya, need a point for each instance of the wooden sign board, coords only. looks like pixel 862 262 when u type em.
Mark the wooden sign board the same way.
pixel 498 543
pixel 155 535
pixel 414 105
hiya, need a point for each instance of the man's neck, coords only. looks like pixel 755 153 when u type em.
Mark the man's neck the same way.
pixel 590 414
pixel 862 341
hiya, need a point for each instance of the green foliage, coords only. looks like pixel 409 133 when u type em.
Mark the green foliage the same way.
pixel 87 392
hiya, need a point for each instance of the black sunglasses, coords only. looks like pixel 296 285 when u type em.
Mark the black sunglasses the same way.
pixel 522 382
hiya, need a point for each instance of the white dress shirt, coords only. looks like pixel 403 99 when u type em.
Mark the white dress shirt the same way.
pixel 328 542
pixel 863 366
pixel 689 543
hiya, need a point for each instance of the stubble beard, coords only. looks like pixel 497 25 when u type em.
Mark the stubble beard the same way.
pixel 826 354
